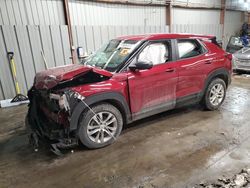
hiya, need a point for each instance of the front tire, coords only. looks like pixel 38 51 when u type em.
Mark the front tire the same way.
pixel 215 94
pixel 100 127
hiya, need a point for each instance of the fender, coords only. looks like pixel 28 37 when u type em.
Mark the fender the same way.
pixel 114 96
pixel 217 73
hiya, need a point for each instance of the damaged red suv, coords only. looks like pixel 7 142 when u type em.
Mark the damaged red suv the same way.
pixel 127 79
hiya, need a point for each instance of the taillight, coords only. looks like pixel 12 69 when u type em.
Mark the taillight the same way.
pixel 230 62
pixel 229 56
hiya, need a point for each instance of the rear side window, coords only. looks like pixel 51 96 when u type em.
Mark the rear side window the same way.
pixel 189 48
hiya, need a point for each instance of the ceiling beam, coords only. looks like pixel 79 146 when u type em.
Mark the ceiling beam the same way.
pixel 163 4
pixel 125 2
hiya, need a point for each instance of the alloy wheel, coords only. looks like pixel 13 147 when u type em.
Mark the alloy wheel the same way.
pixel 216 94
pixel 102 127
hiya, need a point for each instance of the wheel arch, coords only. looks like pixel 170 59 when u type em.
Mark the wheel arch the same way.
pixel 114 98
pixel 219 73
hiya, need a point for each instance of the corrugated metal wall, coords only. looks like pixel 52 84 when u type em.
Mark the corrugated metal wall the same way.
pixel 197 21
pixel 92 13
pixel 239 5
pixel 233 23
pixel 27 42
pixel 29 26
pixel 31 12
pixel 91 37
pixel 195 16
pixel 26 28
pixel 206 29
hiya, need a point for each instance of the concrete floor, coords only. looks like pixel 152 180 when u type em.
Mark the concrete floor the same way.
pixel 174 149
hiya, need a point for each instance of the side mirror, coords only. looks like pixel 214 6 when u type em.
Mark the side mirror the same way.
pixel 141 65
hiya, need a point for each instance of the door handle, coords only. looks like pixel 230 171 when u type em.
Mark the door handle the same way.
pixel 169 70
pixel 208 62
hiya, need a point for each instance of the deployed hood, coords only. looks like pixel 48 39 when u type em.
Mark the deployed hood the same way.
pixel 244 53
pixel 50 78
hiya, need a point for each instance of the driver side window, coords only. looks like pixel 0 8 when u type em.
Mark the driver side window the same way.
pixel 157 53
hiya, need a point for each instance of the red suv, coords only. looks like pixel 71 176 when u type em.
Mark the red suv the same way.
pixel 127 79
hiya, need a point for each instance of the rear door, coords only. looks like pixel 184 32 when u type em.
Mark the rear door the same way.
pixel 152 91
pixel 194 63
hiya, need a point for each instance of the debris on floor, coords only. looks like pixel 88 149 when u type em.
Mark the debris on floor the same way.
pixel 9 103
pixel 239 180
pixel 246 75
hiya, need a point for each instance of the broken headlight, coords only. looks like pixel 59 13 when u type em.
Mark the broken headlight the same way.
pixel 78 96
pixel 62 100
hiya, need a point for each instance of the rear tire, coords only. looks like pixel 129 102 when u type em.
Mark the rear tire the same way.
pixel 101 128
pixel 215 94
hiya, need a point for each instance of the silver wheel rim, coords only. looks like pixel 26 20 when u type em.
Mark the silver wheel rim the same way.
pixel 102 127
pixel 216 94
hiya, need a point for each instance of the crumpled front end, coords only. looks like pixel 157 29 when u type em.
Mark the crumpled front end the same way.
pixel 53 101
pixel 48 119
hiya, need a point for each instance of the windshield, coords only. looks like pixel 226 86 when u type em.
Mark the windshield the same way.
pixel 112 54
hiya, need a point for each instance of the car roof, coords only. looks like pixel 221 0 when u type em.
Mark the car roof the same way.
pixel 159 36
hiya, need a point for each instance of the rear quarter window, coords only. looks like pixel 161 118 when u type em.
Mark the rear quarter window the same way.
pixel 188 48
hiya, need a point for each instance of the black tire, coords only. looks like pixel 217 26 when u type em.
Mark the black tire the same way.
pixel 239 72
pixel 87 117
pixel 208 105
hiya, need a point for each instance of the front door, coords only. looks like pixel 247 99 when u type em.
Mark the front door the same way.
pixel 153 90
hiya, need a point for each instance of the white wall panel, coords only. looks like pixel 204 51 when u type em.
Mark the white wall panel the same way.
pixel 208 29
pixel 31 12
pixel 197 21
pixel 92 13
pixel 239 4
pixel 233 23
pixel 92 37
pixel 195 16
pixel 27 42
pixel 93 24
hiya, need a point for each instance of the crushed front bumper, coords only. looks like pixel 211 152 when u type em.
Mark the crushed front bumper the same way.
pixel 43 130
pixel 38 139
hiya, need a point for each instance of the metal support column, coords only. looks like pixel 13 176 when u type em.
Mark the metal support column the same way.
pixel 222 17
pixel 68 23
pixel 169 16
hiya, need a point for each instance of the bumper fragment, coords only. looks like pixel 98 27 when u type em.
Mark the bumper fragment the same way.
pixel 56 146
pixel 48 120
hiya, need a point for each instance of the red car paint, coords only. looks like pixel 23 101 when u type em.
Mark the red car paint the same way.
pixel 50 78
pixel 164 36
pixel 144 89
